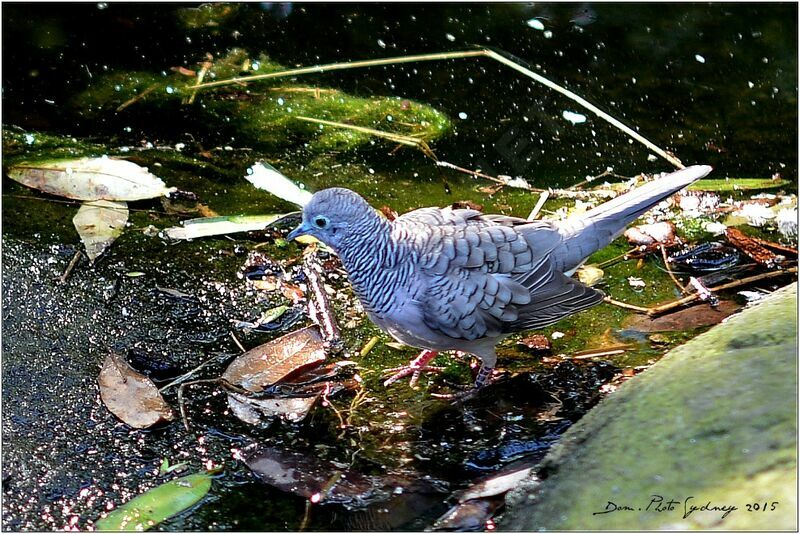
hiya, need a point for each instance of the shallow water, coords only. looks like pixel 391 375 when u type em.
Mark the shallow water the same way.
pixel 714 84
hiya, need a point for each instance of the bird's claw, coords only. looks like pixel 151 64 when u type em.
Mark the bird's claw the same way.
pixel 414 371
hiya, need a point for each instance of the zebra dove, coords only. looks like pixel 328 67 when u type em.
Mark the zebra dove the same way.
pixel 456 279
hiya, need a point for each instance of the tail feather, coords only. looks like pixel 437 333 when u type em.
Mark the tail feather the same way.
pixel 584 235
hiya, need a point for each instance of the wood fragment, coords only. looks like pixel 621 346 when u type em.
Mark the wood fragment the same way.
pixel 319 307
pixel 752 248
pixel 369 346
pixel 72 263
pixel 658 310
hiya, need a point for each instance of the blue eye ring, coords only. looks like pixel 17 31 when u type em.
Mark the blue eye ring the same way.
pixel 320 221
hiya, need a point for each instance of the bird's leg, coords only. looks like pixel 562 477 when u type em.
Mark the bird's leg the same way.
pixel 414 368
pixel 484 375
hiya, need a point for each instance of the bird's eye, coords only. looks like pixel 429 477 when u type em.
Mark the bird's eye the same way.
pixel 321 222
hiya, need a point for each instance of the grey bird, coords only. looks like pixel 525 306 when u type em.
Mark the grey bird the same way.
pixel 455 279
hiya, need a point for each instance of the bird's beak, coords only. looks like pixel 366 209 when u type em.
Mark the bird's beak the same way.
pixel 303 229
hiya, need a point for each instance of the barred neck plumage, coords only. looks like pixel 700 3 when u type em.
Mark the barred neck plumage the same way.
pixel 376 264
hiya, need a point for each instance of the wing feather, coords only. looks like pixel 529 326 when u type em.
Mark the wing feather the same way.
pixel 486 275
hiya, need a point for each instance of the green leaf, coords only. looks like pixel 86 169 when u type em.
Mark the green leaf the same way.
pixel 160 503
pixel 737 184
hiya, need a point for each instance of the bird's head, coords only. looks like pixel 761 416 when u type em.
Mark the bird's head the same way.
pixel 332 214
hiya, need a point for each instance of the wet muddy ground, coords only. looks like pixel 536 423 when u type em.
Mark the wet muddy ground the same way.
pixel 67 458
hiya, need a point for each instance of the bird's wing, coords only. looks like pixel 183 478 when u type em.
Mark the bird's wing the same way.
pixel 485 275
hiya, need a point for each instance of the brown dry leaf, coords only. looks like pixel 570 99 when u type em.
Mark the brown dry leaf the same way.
pixel 131 396
pixel 752 248
pixel 292 292
pixel 686 319
pixel 266 364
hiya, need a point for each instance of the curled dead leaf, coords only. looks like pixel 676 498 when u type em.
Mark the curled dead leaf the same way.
pixel 266 364
pixel 131 396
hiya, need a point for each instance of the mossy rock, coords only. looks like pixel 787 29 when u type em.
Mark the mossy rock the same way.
pixel 715 421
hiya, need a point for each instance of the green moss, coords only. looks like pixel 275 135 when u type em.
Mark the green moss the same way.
pixel 715 419
pixel 264 113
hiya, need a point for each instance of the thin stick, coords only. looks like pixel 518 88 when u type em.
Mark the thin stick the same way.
pixel 662 308
pixel 585 103
pixel 658 310
pixel 342 66
pixel 615 259
pixel 539 204
pixel 369 346
pixel 238 344
pixel 316 91
pixel 397 138
pixel 182 404
pixel 451 55
pixel 669 271
pixel 467 171
pixel 625 305
pixel 188 374
pixel 598 354
pixel 200 77
pixel 72 263
pixel 138 97
pixel 306 517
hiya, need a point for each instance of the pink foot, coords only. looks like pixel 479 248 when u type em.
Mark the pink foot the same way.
pixel 414 368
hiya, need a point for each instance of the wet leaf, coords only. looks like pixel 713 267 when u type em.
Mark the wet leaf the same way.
pixel 469 516
pixel 308 476
pixel 160 503
pixel 208 226
pixel 262 411
pixel 90 179
pixel 267 178
pixel 131 396
pixel 100 223
pixel 495 485
pixel 272 314
pixel 686 319
pixel 266 364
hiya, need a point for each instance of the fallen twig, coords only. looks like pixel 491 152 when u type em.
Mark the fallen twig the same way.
pixel 72 263
pixel 663 308
pixel 137 97
pixel 238 343
pixel 319 307
pixel 397 138
pixel 451 55
pixel 669 271
pixel 596 354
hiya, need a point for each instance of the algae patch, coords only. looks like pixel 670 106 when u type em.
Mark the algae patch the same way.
pixel 263 113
